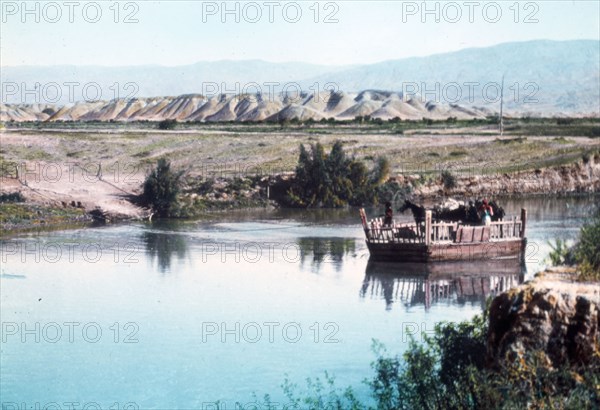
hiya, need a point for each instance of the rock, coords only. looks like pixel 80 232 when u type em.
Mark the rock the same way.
pixel 551 314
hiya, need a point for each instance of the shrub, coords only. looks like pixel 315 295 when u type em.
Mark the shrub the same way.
pixel 205 186
pixel 564 121
pixel 587 250
pixel 161 188
pixel 448 371
pixel 167 124
pixel 12 197
pixel 561 253
pixel 449 180
pixel 333 180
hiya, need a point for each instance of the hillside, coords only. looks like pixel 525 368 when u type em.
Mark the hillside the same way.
pixel 339 105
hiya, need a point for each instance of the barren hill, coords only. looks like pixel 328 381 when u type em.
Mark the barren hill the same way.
pixel 248 107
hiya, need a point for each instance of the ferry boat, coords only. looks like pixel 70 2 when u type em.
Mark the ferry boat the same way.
pixel 439 241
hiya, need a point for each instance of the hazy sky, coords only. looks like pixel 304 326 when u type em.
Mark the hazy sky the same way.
pixel 332 33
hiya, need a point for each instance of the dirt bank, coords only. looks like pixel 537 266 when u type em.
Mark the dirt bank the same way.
pixel 579 177
pixel 88 169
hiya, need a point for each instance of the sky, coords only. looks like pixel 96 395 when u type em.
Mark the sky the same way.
pixel 173 33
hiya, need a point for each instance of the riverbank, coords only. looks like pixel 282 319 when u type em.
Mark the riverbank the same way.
pixel 75 171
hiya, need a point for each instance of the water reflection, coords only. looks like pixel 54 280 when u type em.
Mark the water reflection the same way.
pixel 545 209
pixel 162 246
pixel 428 284
pixel 317 251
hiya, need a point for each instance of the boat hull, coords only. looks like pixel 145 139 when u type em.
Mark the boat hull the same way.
pixel 448 252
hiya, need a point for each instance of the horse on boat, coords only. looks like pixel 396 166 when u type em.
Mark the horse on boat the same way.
pixel 459 214
pixel 463 213
pixel 418 212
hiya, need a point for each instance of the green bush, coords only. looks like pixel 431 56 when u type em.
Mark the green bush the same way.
pixel 167 124
pixel 561 253
pixel 334 180
pixel 448 179
pixel 205 186
pixel 448 371
pixel 587 250
pixel 12 197
pixel 161 188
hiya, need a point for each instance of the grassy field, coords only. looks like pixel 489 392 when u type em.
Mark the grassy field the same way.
pixel 234 149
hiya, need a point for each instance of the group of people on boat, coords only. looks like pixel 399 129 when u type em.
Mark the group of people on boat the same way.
pixel 477 212
pixel 485 212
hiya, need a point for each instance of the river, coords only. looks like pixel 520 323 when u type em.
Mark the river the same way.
pixel 180 314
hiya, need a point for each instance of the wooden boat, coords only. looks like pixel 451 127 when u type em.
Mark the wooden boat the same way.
pixel 437 241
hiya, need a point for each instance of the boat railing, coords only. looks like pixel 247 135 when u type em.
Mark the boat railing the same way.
pixel 442 232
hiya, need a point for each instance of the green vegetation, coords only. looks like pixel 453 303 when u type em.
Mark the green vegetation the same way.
pixel 161 188
pixel 7 168
pixel 448 370
pixel 16 216
pixel 448 179
pixel 585 253
pixel 561 253
pixel 167 124
pixel 334 180
pixel 587 250
pixel 526 126
pixel 11 197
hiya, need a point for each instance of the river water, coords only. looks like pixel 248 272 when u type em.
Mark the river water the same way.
pixel 181 314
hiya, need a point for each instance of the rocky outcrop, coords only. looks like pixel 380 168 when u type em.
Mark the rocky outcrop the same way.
pixel 551 315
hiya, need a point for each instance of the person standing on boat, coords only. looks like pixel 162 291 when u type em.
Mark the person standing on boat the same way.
pixel 486 213
pixel 389 214
pixel 472 215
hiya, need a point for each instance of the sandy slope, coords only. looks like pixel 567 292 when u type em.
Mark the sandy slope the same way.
pixel 249 107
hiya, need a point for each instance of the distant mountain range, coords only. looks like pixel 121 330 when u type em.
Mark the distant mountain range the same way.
pixel 541 78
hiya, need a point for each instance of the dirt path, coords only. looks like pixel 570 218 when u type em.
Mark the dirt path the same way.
pixel 45 183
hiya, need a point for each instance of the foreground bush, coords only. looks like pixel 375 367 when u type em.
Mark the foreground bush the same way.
pixel 448 371
pixel 161 188
pixel 587 251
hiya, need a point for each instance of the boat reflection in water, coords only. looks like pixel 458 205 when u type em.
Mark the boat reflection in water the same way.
pixel 428 284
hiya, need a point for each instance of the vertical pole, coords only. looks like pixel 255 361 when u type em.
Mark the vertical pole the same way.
pixel 427 227
pixel 523 221
pixel 502 108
